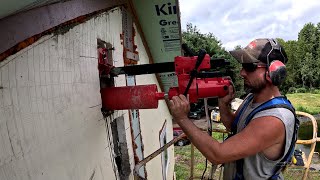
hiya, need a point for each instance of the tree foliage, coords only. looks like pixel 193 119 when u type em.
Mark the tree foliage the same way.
pixel 196 40
pixel 303 66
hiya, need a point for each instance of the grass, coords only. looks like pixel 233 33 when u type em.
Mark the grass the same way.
pixel 183 161
pixel 305 102
pixel 297 173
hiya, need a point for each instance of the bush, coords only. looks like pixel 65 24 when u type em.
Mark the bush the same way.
pixel 312 90
pixel 317 91
pixel 292 90
pixel 301 90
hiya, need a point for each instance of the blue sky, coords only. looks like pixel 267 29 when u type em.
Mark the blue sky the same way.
pixel 239 22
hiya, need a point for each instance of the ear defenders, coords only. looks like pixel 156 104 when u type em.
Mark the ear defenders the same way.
pixel 276 69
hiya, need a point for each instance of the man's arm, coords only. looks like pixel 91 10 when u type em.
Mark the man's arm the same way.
pixel 227 117
pixel 259 135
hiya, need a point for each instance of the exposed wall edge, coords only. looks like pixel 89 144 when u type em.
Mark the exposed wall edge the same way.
pixel 22 26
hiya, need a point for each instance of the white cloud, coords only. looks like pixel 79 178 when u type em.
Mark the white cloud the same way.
pixel 239 22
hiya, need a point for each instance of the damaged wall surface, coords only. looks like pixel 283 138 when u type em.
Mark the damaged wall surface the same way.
pixel 51 124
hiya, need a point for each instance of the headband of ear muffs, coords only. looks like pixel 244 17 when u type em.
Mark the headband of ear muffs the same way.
pixel 276 68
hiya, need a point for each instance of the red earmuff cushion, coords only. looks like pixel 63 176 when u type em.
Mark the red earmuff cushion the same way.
pixel 274 65
pixel 278 72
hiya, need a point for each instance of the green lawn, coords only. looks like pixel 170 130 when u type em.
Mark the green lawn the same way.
pixel 305 102
pixel 183 162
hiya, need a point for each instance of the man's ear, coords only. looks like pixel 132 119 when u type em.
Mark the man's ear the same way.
pixel 267 76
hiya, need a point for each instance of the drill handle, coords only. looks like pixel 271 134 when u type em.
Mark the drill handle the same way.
pixel 200 58
pixel 193 74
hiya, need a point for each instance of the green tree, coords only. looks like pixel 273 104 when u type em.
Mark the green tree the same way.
pixel 293 65
pixel 317 57
pixel 308 72
pixel 196 40
pixel 308 46
pixel 303 66
pixel 237 47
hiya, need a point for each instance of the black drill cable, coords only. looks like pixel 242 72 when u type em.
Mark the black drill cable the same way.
pixel 205 169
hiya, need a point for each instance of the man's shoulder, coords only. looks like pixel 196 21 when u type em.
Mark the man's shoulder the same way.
pixel 281 113
pixel 282 110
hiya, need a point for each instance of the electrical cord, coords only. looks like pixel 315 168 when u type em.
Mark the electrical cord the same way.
pixel 205 169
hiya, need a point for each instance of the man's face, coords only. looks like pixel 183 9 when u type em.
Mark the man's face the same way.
pixel 254 76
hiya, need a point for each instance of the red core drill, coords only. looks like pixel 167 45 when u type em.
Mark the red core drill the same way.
pixel 195 79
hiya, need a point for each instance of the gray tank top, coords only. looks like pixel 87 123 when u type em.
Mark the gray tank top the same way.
pixel 258 166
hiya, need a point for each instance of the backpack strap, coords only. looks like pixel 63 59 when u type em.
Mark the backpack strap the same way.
pixel 277 102
pixel 236 120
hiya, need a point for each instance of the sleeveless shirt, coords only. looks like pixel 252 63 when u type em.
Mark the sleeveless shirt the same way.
pixel 258 166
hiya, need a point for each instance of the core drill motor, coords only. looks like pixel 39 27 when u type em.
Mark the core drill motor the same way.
pixel 198 77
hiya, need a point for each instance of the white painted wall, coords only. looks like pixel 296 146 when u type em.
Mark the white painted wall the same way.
pixel 152 120
pixel 51 126
pixel 50 121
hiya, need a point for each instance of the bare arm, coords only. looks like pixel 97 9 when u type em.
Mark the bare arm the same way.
pixel 227 117
pixel 259 135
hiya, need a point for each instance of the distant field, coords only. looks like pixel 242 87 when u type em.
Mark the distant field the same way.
pixel 306 102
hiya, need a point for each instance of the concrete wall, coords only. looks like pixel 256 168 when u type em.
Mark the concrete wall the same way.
pixel 51 126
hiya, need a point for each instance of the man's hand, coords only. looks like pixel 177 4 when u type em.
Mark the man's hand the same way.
pixel 226 100
pixel 180 107
pixel 227 117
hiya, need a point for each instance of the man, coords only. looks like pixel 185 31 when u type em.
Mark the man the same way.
pixel 262 143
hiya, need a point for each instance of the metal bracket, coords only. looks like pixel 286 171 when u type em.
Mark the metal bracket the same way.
pixel 132 55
